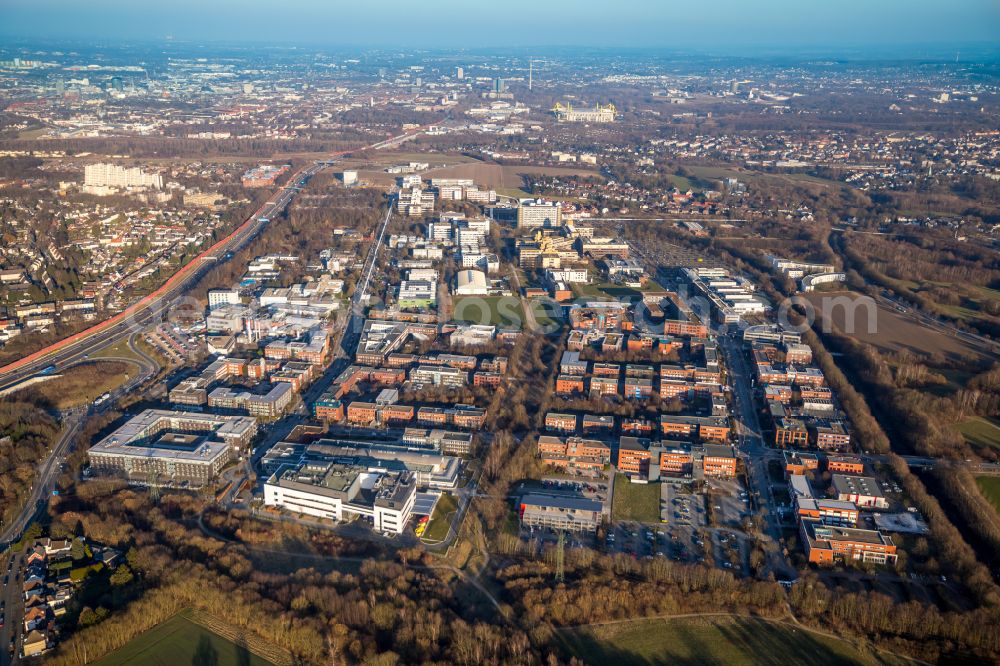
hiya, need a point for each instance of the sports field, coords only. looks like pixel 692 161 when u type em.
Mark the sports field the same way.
pixel 181 641
pixel 728 640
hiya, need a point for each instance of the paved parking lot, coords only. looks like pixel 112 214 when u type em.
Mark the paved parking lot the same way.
pixel 730 502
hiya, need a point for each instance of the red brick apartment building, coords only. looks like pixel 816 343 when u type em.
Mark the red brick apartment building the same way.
pixel 639 343
pixel 603 386
pixel 676 460
pixel 815 393
pixel 494 364
pixel 574 453
pixel 397 414
pixel 790 432
pixel 490 379
pixel 387 376
pixel 719 461
pixel 672 371
pixel 827 544
pixel 470 418
pixel 361 413
pixel 634 456
pixel 798 463
pixel 845 465
pixel 397 360
pixel 638 388
pixel 431 416
pixel 607 370
pixel 637 426
pixel 685 328
pixel 828 511
pixel 598 423
pixel 569 384
pixel 561 422
pixel 676 388
pixel 830 436
pixel 329 410
pixel 716 431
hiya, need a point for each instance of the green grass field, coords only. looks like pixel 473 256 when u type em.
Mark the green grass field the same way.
pixel 610 290
pixel 989 486
pixel 437 528
pixel 635 501
pixel 980 432
pixel 716 640
pixel 495 310
pixel 181 641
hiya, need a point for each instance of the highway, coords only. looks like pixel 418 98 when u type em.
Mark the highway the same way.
pixel 147 310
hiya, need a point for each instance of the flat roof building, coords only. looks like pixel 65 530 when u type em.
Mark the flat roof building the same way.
pixel 576 514
pixel 160 446
pixel 332 489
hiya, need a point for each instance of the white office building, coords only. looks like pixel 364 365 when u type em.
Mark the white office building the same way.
pixel 331 490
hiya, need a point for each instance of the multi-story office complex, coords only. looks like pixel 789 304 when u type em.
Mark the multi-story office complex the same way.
pixel 161 446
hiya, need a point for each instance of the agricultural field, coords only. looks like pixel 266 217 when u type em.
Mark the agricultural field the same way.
pixel 980 432
pixel 891 330
pixel 989 486
pixel 725 640
pixel 504 178
pixel 635 501
pixel 181 640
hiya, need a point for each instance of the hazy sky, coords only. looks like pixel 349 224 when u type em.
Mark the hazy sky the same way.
pixel 712 25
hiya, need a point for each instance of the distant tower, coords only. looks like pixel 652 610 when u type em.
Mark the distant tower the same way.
pixel 530 72
pixel 499 85
pixel 734 87
pixel 459 73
